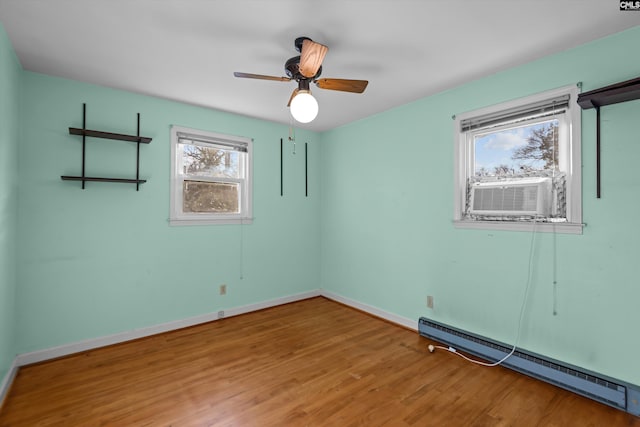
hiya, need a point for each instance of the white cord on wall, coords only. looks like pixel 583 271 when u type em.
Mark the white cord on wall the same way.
pixel 450 349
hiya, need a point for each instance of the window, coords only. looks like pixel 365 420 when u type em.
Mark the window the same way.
pixel 211 178
pixel 518 163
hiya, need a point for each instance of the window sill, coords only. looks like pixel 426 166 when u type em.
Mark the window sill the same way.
pixel 543 227
pixel 221 221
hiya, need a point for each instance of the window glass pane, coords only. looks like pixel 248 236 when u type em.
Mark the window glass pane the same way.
pixel 212 162
pixel 517 150
pixel 212 197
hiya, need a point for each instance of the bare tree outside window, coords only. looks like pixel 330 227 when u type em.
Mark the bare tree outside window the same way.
pixel 205 196
pixel 207 161
pixel 517 151
pixel 542 146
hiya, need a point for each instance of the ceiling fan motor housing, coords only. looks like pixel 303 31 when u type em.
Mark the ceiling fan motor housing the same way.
pixel 292 68
pixel 298 42
pixel 300 68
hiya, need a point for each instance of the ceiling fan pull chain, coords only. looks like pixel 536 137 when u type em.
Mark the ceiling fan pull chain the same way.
pixel 292 135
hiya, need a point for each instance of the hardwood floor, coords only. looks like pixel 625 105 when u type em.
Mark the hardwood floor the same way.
pixel 310 363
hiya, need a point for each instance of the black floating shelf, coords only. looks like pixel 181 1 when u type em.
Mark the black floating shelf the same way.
pixel 95 179
pixel 620 92
pixel 628 90
pixel 109 135
pixel 84 132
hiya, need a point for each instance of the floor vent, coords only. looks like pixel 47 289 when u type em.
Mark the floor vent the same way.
pixel 598 387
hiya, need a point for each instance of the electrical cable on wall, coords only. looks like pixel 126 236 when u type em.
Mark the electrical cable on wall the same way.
pixel 525 298
pixel 554 139
pixel 555 273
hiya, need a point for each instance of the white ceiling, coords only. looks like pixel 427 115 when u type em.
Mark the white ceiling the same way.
pixel 187 50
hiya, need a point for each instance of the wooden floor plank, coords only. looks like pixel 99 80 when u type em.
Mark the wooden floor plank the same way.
pixel 309 363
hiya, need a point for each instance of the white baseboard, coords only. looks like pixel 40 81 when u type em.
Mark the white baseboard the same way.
pixel 76 347
pixel 93 343
pixel 390 317
pixel 6 382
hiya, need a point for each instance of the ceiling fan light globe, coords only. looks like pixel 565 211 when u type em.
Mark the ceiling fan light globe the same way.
pixel 304 107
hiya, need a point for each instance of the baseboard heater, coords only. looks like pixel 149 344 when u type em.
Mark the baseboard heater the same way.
pixel 595 386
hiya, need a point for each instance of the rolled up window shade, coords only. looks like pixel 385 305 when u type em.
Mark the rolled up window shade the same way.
pixel 240 144
pixel 544 108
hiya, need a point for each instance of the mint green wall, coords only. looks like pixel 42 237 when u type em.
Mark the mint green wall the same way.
pixel 9 108
pixel 104 260
pixel 387 237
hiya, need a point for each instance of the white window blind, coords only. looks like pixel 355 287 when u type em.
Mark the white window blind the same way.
pixel 235 144
pixel 549 107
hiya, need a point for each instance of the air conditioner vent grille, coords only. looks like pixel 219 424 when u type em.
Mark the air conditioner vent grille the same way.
pixel 506 199
pixel 512 197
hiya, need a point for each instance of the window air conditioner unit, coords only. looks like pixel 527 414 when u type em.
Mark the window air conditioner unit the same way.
pixel 522 197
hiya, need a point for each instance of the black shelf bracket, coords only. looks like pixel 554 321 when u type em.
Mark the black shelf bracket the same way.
pixel 84 132
pixel 628 90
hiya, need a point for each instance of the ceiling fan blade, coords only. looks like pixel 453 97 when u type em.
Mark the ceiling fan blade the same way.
pixel 345 85
pixel 261 77
pixel 311 57
pixel 293 95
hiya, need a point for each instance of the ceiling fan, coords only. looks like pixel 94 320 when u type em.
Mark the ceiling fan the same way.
pixel 305 69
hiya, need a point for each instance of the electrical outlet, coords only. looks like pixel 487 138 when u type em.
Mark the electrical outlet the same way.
pixel 429 301
pixel 220 314
pixel 223 289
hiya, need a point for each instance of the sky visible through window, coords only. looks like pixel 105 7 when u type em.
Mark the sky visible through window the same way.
pixel 495 151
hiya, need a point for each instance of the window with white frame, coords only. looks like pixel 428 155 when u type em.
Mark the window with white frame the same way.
pixel 211 178
pixel 518 164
